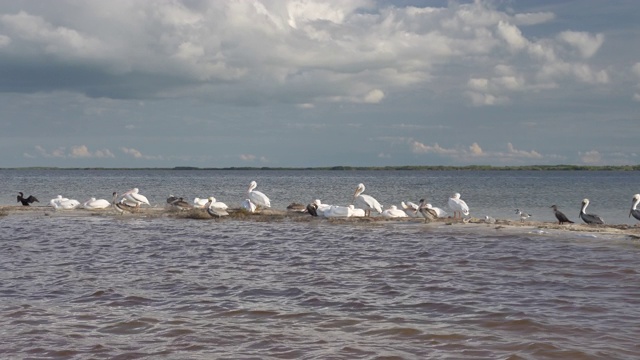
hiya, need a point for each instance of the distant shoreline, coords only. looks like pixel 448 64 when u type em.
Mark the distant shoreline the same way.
pixel 366 168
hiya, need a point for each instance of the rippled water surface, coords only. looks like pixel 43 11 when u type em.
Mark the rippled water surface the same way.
pixel 107 287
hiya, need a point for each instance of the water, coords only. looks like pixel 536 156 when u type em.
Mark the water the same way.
pixel 105 287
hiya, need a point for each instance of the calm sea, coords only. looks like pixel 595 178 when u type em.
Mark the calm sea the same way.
pixel 107 287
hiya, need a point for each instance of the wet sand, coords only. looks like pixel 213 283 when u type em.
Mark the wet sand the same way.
pixel 282 215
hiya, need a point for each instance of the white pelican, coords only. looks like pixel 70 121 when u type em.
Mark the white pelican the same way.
pixel 248 205
pixel 458 206
pixel 257 197
pixel 93 204
pixel 337 211
pixel 635 212
pixel 132 196
pixel 217 204
pixel 523 215
pixel 410 208
pixel 562 218
pixel 365 202
pixel 356 212
pixel 427 211
pixel 215 211
pixel 394 212
pixel 64 204
pixel 200 203
pixel 589 218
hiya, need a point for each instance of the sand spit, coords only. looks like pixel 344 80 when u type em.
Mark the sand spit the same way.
pixel 270 215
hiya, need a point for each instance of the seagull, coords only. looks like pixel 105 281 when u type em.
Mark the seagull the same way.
pixel 635 212
pixel 96 204
pixel 26 201
pixel 458 206
pixel 394 212
pixel 427 212
pixel 365 202
pixel 562 218
pixel 589 218
pixel 523 215
pixel 256 197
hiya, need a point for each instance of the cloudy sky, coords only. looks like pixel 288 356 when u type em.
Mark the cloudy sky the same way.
pixel 319 83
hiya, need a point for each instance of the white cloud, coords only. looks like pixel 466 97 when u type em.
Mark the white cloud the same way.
pixel 4 41
pixel 78 151
pixel 474 151
pixel 138 155
pixel 247 157
pixel 586 44
pixel 592 157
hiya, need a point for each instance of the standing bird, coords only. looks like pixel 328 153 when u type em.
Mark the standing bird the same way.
pixel 562 218
pixel 427 212
pixel 523 216
pixel 365 202
pixel 589 218
pixel 256 197
pixel 26 201
pixel 458 206
pixel 635 212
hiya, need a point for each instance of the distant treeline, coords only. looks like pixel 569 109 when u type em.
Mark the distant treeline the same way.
pixel 387 168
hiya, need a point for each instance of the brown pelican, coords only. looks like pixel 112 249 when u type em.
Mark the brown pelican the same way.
pixel 365 202
pixel 256 197
pixel 181 204
pixel 458 206
pixel 26 201
pixel 120 206
pixel 427 212
pixel 296 207
pixel 635 212
pixel 589 218
pixel 312 209
pixel 523 215
pixel 215 211
pixel 562 218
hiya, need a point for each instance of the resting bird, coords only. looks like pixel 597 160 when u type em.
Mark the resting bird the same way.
pixel 96 204
pixel 121 206
pixel 635 212
pixel 181 204
pixel 410 208
pixel 589 218
pixel 135 197
pixel 427 212
pixel 215 211
pixel 248 205
pixel 26 201
pixel 562 218
pixel 458 206
pixel 365 202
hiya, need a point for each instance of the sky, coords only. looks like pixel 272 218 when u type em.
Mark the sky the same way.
pixel 304 83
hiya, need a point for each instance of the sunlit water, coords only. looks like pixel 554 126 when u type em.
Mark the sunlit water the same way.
pixel 106 287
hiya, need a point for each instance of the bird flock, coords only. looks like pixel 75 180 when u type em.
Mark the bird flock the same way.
pixel 361 206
